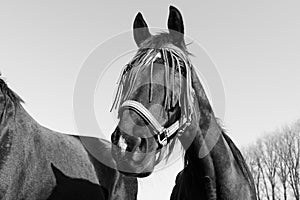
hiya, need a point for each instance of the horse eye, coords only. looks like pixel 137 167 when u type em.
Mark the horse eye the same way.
pixel 159 60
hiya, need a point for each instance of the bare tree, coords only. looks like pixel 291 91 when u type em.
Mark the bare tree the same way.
pixel 271 161
pixel 282 167
pixel 252 159
pixel 261 167
pixel 292 140
pixel 274 162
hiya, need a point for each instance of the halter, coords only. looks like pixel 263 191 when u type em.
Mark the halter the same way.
pixel 162 134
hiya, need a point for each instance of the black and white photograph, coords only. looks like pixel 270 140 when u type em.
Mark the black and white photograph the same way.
pixel 143 100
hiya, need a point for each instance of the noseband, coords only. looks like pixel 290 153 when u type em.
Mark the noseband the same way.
pixel 162 134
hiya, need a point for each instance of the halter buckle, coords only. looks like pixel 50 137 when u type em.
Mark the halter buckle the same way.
pixel 162 138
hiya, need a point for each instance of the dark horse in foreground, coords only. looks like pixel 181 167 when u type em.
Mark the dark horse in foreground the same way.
pixel 160 99
pixel 27 149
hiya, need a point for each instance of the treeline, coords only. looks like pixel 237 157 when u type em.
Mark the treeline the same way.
pixel 274 161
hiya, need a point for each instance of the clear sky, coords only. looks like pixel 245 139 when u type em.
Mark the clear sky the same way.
pixel 255 46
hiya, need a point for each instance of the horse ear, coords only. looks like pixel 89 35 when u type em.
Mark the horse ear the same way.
pixel 140 29
pixel 59 176
pixel 175 24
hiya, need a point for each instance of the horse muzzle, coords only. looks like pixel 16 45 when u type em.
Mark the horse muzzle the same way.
pixel 127 147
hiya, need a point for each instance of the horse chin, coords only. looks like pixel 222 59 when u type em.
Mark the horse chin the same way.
pixel 128 167
pixel 134 169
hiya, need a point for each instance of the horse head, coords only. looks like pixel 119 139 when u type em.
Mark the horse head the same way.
pixel 155 97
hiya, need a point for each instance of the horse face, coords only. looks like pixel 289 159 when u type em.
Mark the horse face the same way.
pixel 135 148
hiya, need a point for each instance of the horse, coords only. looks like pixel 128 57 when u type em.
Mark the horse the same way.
pixel 75 189
pixel 27 149
pixel 159 100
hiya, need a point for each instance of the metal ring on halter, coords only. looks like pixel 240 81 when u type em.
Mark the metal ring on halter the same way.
pixel 162 138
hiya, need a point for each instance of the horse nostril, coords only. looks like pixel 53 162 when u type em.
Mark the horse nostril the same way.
pixel 128 143
pixel 143 145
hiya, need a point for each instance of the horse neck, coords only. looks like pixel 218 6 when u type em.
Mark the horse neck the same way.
pixel 209 150
pixel 11 141
pixel 208 154
pixel 212 154
pixel 16 126
pixel 204 141
pixel 213 158
pixel 208 145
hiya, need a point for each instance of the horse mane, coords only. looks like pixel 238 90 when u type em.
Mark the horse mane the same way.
pixel 240 160
pixel 8 95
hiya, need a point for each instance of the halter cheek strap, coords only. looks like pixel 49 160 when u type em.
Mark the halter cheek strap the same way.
pixel 163 135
